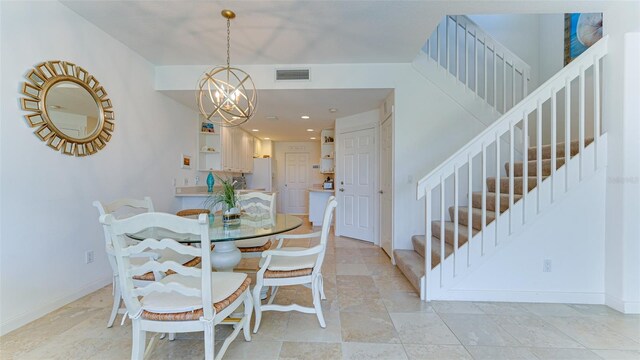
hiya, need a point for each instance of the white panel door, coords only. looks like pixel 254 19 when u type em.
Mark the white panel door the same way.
pixel 356 184
pixel 386 172
pixel 296 182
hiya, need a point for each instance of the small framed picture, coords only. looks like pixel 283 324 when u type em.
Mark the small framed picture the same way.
pixel 185 161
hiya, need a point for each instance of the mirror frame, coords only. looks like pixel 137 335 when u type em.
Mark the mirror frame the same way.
pixel 41 79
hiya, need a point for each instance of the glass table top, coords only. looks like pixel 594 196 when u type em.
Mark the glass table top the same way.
pixel 251 226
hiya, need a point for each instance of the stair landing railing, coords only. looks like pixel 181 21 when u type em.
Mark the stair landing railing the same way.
pixel 479 62
pixel 570 99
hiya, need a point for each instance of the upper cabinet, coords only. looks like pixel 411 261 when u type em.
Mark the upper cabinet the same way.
pixel 228 149
pixel 327 151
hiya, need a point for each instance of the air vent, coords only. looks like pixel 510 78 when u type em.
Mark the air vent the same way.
pixel 292 74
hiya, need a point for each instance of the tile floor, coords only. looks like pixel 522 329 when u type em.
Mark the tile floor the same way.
pixel 372 312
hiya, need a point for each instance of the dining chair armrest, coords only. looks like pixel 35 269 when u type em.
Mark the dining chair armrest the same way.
pixel 281 237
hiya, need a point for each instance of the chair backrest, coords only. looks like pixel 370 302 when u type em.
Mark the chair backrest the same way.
pixel 121 208
pixel 326 227
pixel 164 225
pixel 258 203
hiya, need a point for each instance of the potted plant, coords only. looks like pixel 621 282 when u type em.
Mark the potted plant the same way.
pixel 227 198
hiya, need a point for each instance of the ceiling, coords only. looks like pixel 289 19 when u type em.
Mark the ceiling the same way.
pixel 290 105
pixel 187 32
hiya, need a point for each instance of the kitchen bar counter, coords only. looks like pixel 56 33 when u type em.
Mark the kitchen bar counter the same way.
pixel 200 191
pixel 318 198
pixel 315 189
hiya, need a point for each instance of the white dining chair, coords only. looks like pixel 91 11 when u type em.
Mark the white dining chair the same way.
pixel 189 300
pixel 123 208
pixel 294 266
pixel 256 203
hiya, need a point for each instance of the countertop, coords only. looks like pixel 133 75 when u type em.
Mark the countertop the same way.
pixel 321 190
pixel 201 191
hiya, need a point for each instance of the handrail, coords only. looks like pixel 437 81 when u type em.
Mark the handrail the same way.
pixel 541 94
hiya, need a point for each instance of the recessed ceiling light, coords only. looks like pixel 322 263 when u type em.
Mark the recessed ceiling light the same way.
pixel 332 110
pixel 312 138
pixel 255 130
pixel 304 117
pixel 272 117
pixel 267 138
pixel 309 130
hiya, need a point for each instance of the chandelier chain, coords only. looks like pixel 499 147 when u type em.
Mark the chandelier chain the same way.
pixel 228 41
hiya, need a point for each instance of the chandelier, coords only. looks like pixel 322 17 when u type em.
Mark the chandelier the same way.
pixel 226 95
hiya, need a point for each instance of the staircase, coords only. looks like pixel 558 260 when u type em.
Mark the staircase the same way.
pixel 411 262
pixel 547 142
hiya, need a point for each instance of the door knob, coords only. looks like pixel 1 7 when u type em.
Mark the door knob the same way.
pixel 381 192
pixel 341 190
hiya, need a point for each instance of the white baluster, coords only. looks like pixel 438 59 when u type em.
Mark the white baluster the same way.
pixel 457 52
pixel 504 84
pixel 446 42
pixel 581 108
pixel 525 165
pixel 513 84
pixel 512 146
pixel 596 108
pixel 466 59
pixel 475 61
pixel 538 155
pixel 567 130
pixel 554 140
pixel 455 217
pixel 497 207
pixel 495 79
pixel 442 233
pixel 483 216
pixel 484 54
pixel 428 249
pixel 469 207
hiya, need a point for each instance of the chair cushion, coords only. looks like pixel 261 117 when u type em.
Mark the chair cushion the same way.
pixel 224 284
pixel 251 243
pixel 289 263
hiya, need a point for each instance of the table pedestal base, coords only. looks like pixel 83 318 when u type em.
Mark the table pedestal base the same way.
pixel 225 256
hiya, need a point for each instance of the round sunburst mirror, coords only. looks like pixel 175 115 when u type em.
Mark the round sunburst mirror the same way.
pixel 68 107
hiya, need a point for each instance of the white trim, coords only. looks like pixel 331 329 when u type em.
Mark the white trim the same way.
pixel 526 296
pixel 19 320
pixel 625 307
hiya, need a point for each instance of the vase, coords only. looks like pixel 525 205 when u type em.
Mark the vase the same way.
pixel 210 182
pixel 231 217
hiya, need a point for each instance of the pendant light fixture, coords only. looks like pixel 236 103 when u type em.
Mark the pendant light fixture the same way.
pixel 226 95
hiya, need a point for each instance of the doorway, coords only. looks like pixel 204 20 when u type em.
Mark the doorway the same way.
pixel 296 183
pixel 386 185
pixel 356 186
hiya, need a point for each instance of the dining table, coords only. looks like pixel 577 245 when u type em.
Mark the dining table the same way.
pixel 225 256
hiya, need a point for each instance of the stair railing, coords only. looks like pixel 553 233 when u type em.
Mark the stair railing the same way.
pixel 552 107
pixel 481 63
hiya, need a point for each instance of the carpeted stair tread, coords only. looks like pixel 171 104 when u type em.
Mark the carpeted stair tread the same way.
pixel 463 216
pixel 449 232
pixel 518 168
pixel 419 248
pixel 574 147
pixel 518 183
pixel 411 264
pixel 476 199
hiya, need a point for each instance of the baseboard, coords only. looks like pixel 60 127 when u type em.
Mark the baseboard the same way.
pixel 523 296
pixel 625 307
pixel 8 325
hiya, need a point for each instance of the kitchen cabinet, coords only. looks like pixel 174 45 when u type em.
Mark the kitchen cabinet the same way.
pixel 228 149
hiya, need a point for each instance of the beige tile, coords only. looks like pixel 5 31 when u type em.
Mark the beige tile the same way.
pixel 180 349
pixel 62 347
pixel 422 328
pixel 564 354
pixel 352 269
pixel 455 307
pixel 627 325
pixel 306 328
pixel 349 282
pixel 380 258
pixel 363 327
pixel 587 309
pixel 473 329
pixel 392 283
pixel 533 331
pixel 403 301
pixel 436 352
pixel 386 270
pixel 618 354
pixel 359 301
pixel 501 308
pixel 258 350
pixel 551 309
pixel 500 353
pixel 591 334
pixel 271 326
pixel 100 298
pixel 362 351
pixel 310 351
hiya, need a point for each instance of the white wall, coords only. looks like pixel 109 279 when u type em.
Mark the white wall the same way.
pixel 47 219
pixel 280 150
